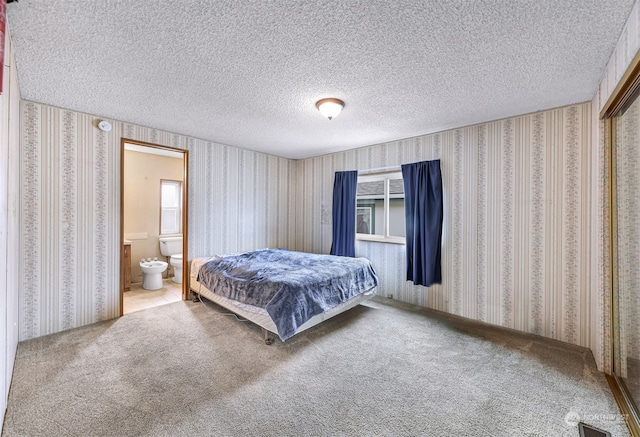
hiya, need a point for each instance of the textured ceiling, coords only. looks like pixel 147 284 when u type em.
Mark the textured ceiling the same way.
pixel 248 73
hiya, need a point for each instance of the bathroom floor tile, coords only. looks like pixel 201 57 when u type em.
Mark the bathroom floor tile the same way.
pixel 138 298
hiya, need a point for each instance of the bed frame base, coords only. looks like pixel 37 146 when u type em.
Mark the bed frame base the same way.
pixel 268 339
pixel 264 322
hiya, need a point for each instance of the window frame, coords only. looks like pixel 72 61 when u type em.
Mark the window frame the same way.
pixel 386 177
pixel 178 209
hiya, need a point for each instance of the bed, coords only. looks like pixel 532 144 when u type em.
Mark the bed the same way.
pixel 284 292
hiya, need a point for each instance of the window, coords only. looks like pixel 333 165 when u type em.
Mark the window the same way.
pixel 380 208
pixel 171 207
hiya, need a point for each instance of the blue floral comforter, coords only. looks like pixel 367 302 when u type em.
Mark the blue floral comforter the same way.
pixel 291 286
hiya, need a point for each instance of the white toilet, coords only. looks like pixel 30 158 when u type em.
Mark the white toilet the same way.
pixel 172 247
pixel 176 263
pixel 152 274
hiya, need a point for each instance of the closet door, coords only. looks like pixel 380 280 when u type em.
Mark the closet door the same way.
pixel 626 248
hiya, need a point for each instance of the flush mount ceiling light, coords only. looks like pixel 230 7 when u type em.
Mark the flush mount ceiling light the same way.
pixel 330 107
pixel 104 126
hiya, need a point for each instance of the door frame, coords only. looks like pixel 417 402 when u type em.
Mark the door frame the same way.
pixel 185 204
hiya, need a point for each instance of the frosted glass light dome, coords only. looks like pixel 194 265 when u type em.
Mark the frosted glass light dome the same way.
pixel 330 108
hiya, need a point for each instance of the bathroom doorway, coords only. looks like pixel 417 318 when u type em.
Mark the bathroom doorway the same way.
pixel 153 219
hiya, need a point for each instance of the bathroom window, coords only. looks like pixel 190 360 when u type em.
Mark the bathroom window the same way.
pixel 171 207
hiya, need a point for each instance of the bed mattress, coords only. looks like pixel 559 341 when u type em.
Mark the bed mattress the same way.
pixel 259 315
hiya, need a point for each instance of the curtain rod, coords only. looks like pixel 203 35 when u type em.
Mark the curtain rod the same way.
pixel 380 170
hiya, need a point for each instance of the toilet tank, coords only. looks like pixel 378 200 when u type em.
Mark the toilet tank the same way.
pixel 170 245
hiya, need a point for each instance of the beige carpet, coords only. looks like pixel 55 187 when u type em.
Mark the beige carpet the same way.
pixel 381 369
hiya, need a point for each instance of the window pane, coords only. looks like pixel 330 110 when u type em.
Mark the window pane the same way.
pixel 169 195
pixel 370 189
pixel 396 208
pixel 370 208
pixel 396 188
pixel 364 218
pixel 170 221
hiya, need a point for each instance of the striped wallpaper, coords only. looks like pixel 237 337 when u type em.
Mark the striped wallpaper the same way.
pixel 70 208
pixel 516 243
pixel 516 251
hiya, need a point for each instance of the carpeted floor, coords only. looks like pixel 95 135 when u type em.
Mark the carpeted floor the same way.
pixel 381 369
